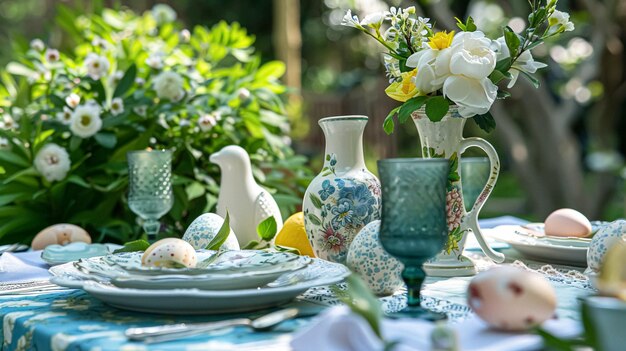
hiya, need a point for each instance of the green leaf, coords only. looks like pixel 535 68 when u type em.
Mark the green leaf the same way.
pixel 503 94
pixel 409 106
pixel 292 250
pixel 75 142
pixel 107 140
pixel 13 158
pixel 460 24
pixel 534 81
pixel 316 201
pixel 314 219
pixel 251 245
pixel 137 245
pixel 486 122
pixel 436 108
pixel 57 101
pixel 126 82
pixel 469 25
pixel 75 179
pixel 30 171
pixel 503 65
pixel 512 41
pixel 219 239
pixel 496 76
pixel 361 301
pixel 389 124
pixel 267 229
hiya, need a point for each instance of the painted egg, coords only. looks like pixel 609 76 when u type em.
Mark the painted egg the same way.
pixel 511 298
pixel 60 234
pixel 369 259
pixel 567 222
pixel 204 228
pixel 169 252
pixel 606 237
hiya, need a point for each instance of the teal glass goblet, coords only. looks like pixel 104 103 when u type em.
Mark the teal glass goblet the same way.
pixel 150 187
pixel 475 173
pixel 413 227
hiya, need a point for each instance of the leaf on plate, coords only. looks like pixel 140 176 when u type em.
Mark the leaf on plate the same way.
pixel 267 228
pixel 133 246
pixel 219 239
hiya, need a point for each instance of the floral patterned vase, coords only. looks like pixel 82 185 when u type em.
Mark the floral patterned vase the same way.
pixel 445 139
pixel 345 196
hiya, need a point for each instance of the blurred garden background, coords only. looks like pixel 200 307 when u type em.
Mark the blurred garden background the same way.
pixel 562 145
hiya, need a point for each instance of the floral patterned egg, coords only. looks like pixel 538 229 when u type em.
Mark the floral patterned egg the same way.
pixel 368 258
pixel 169 252
pixel 606 237
pixel 204 228
pixel 511 298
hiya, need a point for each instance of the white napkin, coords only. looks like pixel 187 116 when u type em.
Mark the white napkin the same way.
pixel 15 267
pixel 338 329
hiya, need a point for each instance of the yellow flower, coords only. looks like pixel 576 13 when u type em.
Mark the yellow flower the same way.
pixel 441 40
pixel 403 90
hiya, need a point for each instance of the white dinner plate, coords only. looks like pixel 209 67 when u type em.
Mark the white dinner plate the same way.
pixel 569 251
pixel 227 262
pixel 59 254
pixel 194 301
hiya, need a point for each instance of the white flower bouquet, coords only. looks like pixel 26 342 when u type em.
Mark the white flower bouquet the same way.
pixel 435 69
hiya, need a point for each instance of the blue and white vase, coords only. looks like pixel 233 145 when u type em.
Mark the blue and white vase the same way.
pixel 345 196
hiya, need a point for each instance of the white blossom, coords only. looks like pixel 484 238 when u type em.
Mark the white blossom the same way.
pixel 374 19
pixel 141 110
pixel 4 143
pixel 7 122
pixel 561 19
pixel 65 116
pixel 243 94
pixel 351 20
pixel 140 81
pixel 169 85
pixel 185 35
pixel 37 45
pixel 97 66
pixel 207 122
pixel 52 55
pixel 163 13
pixel 115 78
pixel 52 162
pixel 117 106
pixel 72 100
pixel 155 61
pixel 86 121
pixel 524 63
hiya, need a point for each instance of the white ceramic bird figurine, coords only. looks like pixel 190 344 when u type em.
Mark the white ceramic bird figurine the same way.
pixel 248 204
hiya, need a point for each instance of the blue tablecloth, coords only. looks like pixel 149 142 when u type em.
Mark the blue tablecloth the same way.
pixel 73 320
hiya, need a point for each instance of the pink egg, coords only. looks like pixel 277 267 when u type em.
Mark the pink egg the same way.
pixel 511 298
pixel 567 222
pixel 60 234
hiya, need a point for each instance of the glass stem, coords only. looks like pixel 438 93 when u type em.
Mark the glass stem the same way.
pixel 151 226
pixel 413 278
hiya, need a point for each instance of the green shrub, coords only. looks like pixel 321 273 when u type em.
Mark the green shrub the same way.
pixel 141 81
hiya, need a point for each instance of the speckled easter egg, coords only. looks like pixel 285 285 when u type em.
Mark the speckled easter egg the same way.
pixel 606 237
pixel 60 234
pixel 368 258
pixel 204 228
pixel 169 252
pixel 511 298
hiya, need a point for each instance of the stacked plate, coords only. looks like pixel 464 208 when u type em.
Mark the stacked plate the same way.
pixel 531 241
pixel 228 281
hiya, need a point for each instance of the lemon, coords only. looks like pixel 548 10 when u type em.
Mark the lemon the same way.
pixel 293 235
pixel 612 280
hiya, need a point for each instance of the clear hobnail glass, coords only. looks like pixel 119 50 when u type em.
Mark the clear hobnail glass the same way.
pixel 150 187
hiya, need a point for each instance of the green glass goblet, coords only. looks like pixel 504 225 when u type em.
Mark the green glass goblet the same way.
pixel 475 173
pixel 413 227
pixel 150 187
